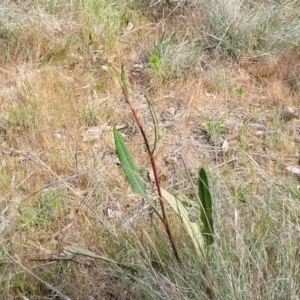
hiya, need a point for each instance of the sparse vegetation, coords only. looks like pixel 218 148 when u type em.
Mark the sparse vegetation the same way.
pixel 211 75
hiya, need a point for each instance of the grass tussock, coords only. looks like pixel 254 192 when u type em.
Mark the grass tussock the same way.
pixel 216 74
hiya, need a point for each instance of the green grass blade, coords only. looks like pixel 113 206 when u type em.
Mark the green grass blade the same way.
pixel 130 169
pixel 206 208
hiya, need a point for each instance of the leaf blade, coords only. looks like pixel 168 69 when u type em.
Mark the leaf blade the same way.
pixel 124 84
pixel 130 169
pixel 193 229
pixel 206 207
pixel 155 124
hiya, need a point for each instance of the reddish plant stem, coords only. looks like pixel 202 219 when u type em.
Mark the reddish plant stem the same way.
pixel 153 165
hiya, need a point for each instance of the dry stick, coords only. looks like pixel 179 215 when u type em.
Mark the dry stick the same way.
pixel 164 216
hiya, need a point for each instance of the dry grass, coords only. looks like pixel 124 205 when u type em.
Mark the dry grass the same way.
pixel 209 83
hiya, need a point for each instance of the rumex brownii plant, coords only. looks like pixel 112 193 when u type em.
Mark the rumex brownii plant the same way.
pixel 129 167
pixel 138 185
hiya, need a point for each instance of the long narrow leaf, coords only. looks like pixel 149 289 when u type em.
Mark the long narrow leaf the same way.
pixel 85 252
pixel 124 84
pixel 155 123
pixel 206 209
pixel 192 228
pixel 130 169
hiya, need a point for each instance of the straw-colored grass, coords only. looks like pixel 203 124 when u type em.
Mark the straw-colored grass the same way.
pixel 216 74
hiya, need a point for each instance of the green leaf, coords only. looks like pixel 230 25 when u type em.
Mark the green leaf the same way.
pixel 206 207
pixel 155 123
pixel 124 83
pixel 130 169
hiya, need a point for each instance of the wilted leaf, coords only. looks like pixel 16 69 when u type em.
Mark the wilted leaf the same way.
pixel 85 252
pixel 192 228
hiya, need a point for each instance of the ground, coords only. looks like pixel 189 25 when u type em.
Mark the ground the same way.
pixel 217 107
